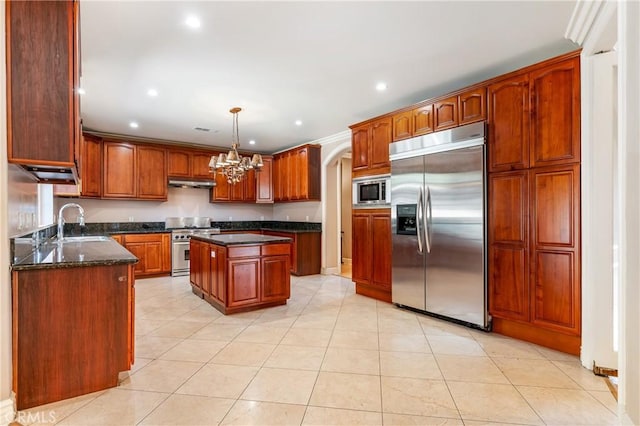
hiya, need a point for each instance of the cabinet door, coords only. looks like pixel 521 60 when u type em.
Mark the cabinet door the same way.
pixel 166 253
pixel 244 282
pixel 205 267
pixel 237 190
pixel 138 250
pixel 508 135
pixel 91 166
pixel 362 248
pixel 275 174
pixel 265 183
pixel 555 114
pixel 179 163
pixel 380 140
pixel 275 278
pixel 403 125
pixel 381 257
pixel 555 248
pixel 119 166
pixel 222 190
pixel 153 252
pixel 250 186
pixel 471 106
pixel 42 48
pixel 285 176
pixel 217 265
pixel 152 172
pixel 360 148
pixel 302 173
pixel 423 120
pixel 200 166
pixel 445 113
pixel 509 245
pixel 195 263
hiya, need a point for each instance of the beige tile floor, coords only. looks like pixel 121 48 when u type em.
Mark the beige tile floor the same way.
pixel 329 357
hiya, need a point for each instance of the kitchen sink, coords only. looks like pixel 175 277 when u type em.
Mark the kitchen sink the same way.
pixel 86 239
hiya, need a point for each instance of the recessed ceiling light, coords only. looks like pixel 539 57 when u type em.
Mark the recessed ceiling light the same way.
pixel 252 142
pixel 193 22
pixel 381 86
pixel 81 91
pixel 298 122
pixel 152 92
pixel 133 124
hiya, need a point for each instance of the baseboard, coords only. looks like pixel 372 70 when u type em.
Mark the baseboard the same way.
pixel 330 271
pixel 7 411
pixel 540 336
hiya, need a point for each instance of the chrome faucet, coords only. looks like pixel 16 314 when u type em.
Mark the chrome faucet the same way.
pixel 61 218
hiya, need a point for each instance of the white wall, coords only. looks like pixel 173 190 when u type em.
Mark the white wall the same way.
pixel 304 211
pixel 22 201
pixel 180 202
pixel 345 208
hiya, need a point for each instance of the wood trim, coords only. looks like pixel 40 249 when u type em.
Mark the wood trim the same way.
pixel 543 337
pixel 373 292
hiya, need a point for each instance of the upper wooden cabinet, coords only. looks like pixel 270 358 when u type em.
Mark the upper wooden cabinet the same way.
pixel 42 74
pixel 243 191
pixel 467 107
pixel 189 164
pixel 264 181
pixel 134 171
pixel 555 114
pixel 90 166
pixel 297 174
pixel 370 147
pixel 534 118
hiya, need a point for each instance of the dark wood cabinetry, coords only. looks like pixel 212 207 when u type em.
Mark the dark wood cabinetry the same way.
pixel 371 270
pixel 403 125
pixel 305 251
pixel 152 250
pixel 90 167
pixel 241 192
pixel 370 147
pixel 43 125
pixel 296 174
pixel 472 106
pixel 264 181
pixel 422 120
pixel 75 322
pixel 534 204
pixel 240 278
pixel 445 113
pixel 134 171
pixel 189 164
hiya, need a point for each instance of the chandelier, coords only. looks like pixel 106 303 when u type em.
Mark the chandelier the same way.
pixel 233 166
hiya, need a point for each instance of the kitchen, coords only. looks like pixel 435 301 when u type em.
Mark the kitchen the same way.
pixel 223 212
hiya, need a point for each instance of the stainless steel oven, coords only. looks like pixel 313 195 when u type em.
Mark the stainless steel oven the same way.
pixel 182 228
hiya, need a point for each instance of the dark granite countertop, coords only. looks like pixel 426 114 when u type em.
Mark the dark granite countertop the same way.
pixel 241 239
pixel 268 225
pixel 75 254
pixel 113 228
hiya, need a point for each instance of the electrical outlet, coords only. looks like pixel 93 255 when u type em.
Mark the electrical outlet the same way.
pixel 230 218
pixel 287 217
pixel 261 217
pixel 306 218
pixel 130 218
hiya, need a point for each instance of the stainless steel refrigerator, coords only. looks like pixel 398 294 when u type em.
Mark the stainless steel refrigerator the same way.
pixel 438 224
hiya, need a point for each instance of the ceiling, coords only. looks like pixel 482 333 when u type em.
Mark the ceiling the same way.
pixel 317 62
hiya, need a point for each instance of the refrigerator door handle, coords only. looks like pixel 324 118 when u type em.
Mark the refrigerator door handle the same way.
pixel 419 220
pixel 428 221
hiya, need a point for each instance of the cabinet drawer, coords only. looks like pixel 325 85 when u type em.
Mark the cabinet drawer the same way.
pixel 253 251
pixel 275 249
pixel 143 238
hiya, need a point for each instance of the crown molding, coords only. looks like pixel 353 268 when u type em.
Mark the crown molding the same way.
pixel 582 19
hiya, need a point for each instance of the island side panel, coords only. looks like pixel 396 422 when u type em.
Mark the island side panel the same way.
pixel 71 331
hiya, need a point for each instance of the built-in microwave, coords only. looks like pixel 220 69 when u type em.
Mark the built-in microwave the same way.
pixel 372 191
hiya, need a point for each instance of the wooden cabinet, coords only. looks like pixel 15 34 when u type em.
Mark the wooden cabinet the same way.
pixel 75 322
pixel 90 167
pixel 297 174
pixel 508 129
pixel 152 250
pixel 445 113
pixel 241 192
pixel 371 251
pixel 305 251
pixel 264 181
pixel 43 126
pixel 200 165
pixel 189 164
pixel 134 171
pixel 472 106
pixel 151 172
pixel 555 114
pixel 402 125
pixel 534 118
pixel 241 277
pixel 422 120
pixel 119 170
pixel 370 147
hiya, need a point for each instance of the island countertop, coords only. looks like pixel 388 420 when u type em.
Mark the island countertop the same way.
pixel 240 239
pixel 74 254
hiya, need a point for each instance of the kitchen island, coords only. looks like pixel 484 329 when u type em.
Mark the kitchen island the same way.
pixel 73 316
pixel 240 272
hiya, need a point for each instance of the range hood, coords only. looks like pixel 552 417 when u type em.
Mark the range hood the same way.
pixel 192 183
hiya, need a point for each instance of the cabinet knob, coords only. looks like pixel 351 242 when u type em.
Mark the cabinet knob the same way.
pixel 122 278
